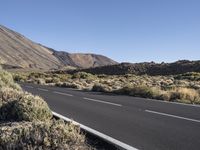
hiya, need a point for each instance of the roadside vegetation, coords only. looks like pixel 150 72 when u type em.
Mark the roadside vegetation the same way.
pixel 184 88
pixel 26 122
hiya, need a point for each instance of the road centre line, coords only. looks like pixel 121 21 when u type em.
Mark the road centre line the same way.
pixel 62 93
pixel 31 87
pixel 174 116
pixel 100 101
pixel 168 102
pixel 41 89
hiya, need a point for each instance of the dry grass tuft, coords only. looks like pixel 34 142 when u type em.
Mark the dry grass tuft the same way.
pixel 186 95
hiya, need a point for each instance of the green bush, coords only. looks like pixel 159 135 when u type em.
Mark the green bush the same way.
pixel 27 108
pixel 38 75
pixel 9 94
pixel 192 76
pixel 140 91
pixel 26 122
pixel 19 77
pixel 6 80
pixel 41 135
pixel 67 85
pixel 41 81
pixel 82 75
pixel 185 95
pixel 100 88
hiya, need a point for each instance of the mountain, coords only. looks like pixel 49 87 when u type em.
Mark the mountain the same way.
pixel 83 60
pixel 17 51
pixel 149 68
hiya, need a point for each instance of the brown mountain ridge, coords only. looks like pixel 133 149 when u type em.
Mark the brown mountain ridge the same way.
pixel 17 51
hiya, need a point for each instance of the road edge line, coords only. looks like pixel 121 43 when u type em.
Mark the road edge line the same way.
pixel 97 133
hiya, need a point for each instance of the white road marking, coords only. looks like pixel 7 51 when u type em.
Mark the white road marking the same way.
pixel 99 101
pixel 97 133
pixel 174 116
pixel 31 87
pixel 176 103
pixel 42 89
pixel 62 93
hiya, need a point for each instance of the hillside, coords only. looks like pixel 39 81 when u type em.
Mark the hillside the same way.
pixel 83 60
pixel 17 51
pixel 151 68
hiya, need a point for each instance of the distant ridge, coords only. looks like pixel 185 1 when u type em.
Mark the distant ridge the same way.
pixel 149 68
pixel 17 51
pixel 81 60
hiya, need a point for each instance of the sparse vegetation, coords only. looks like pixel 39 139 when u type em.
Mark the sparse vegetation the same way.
pixel 180 88
pixel 41 135
pixel 26 122
pixel 192 76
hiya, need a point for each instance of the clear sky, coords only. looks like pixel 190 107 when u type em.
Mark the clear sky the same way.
pixel 124 30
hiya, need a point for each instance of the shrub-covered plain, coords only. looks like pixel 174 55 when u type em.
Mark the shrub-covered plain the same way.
pixel 26 122
pixel 183 88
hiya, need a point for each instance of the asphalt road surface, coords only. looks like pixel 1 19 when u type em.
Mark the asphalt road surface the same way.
pixel 142 123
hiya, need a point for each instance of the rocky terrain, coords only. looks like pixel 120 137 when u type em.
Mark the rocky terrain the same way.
pixel 17 51
pixel 151 68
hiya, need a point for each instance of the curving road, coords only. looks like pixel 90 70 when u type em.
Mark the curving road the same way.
pixel 141 123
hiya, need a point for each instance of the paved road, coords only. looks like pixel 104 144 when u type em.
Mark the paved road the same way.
pixel 142 123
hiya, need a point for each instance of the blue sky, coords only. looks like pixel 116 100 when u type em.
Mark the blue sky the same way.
pixel 124 30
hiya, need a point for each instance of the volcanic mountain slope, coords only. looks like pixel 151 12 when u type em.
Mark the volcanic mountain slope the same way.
pixel 17 51
pixel 83 60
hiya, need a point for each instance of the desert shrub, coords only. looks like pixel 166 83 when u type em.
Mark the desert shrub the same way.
pixel 193 76
pixel 49 80
pixel 64 77
pixel 67 85
pixel 6 77
pixel 40 81
pixel 6 80
pixel 140 91
pixel 41 135
pixel 185 95
pixel 82 75
pixel 100 88
pixel 27 107
pixel 163 95
pixel 55 80
pixel 19 77
pixel 9 94
pixel 38 75
pixel 34 128
pixel 102 76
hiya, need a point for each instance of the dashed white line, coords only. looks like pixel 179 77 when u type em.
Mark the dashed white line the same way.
pixel 31 87
pixel 168 102
pixel 62 93
pixel 174 116
pixel 100 101
pixel 42 89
